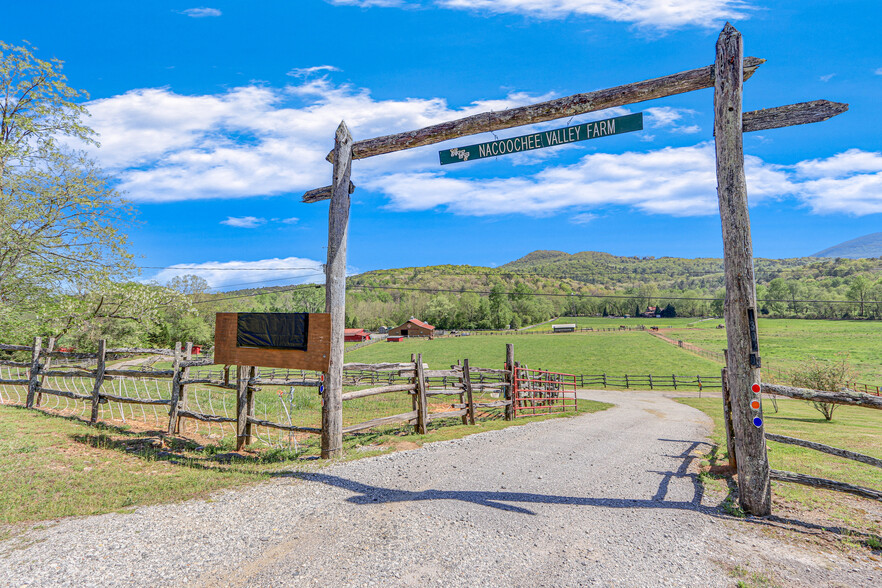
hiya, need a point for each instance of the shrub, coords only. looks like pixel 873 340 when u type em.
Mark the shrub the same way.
pixel 829 376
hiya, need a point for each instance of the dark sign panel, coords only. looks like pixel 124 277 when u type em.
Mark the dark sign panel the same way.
pixel 274 330
pixel 584 132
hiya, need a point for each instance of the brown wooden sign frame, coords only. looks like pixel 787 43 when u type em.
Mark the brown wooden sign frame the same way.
pixel 316 357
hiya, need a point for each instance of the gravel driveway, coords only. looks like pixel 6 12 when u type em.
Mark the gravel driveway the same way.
pixel 607 499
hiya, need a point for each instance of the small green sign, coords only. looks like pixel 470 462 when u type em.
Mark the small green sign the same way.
pixel 591 130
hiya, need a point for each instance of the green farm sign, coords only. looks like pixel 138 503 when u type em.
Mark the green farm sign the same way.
pixel 591 130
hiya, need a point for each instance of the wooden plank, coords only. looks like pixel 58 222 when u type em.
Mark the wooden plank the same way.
pixel 434 416
pixel 323 193
pixel 127 400
pixel 175 389
pixel 568 106
pixel 467 386
pixel 157 374
pixel 422 404
pixel 4 347
pixel 802 113
pixel 442 373
pixel 335 293
pixel 794 478
pixel 73 374
pixel 200 362
pixel 34 375
pixel 407 417
pixel 99 380
pixel 140 351
pixel 72 395
pixel 261 423
pixel 15 382
pixel 209 382
pixel 379 390
pixel 852 399
pixel 826 449
pixel 753 465
pixel 281 382
pixel 318 347
pixel 208 418
pixel 10 363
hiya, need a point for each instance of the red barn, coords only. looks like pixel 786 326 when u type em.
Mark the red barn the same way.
pixel 356 335
pixel 413 328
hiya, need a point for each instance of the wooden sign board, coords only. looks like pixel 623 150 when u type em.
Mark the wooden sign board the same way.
pixel 315 357
pixel 583 132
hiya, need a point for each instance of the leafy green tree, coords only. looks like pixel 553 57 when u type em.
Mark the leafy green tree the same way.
pixel 859 290
pixel 60 216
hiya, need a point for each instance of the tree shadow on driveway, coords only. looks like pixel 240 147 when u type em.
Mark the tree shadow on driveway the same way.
pixel 367 494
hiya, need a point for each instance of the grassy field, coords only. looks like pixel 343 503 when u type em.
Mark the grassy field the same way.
pixel 53 467
pixel 784 343
pixel 576 353
pixel 614 323
pixel 854 428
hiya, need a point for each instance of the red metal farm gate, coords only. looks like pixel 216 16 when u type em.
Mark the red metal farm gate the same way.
pixel 538 392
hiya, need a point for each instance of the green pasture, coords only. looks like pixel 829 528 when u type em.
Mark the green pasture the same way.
pixel 616 353
pixel 615 323
pixel 784 343
pixel 853 428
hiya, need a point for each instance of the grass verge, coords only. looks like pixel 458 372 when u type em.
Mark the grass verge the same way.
pixel 53 467
pixel 855 520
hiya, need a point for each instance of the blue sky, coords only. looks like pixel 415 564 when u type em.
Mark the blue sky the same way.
pixel 216 117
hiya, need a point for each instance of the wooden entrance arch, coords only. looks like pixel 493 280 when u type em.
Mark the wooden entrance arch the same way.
pixel 726 76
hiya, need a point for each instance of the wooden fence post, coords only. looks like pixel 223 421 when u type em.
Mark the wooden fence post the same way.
pixel 249 427
pixel 335 293
pixel 242 430
pixel 99 379
pixel 34 376
pixel 462 390
pixel 422 406
pixel 180 424
pixel 175 390
pixel 509 390
pixel 46 365
pixel 743 365
pixel 467 384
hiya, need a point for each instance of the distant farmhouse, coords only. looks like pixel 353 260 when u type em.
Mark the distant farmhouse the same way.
pixel 413 328
pixel 652 312
pixel 563 328
pixel 356 335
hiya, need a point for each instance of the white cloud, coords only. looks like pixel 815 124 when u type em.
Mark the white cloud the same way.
pixel 878 71
pixel 827 78
pixel 220 275
pixel 370 3
pixel 201 12
pixel 301 72
pixel 666 117
pixel 290 221
pixel 243 222
pixel 583 218
pixel 848 182
pixel 674 181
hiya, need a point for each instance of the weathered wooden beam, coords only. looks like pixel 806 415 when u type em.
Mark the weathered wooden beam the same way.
pixel 64 374
pixel 422 403
pixel 4 347
pixel 467 385
pixel 377 367
pixel 794 478
pixel 71 395
pixel 323 193
pixel 273 425
pixel 99 380
pixel 379 390
pixel 34 372
pixel 442 373
pixel 141 374
pixel 791 115
pixel 335 293
pixel 568 106
pixel 140 350
pixel 128 400
pixel 208 418
pixel 10 363
pixel 15 382
pixel 510 381
pixel 495 404
pixel 243 374
pixel 197 362
pixel 209 382
pixel 740 309
pixel 176 389
pixel 826 449
pixel 851 398
pixel 408 417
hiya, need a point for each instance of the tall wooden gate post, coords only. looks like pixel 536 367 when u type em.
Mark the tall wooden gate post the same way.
pixel 743 358
pixel 335 293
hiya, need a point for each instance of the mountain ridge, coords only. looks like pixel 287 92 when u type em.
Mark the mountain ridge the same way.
pixel 865 247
